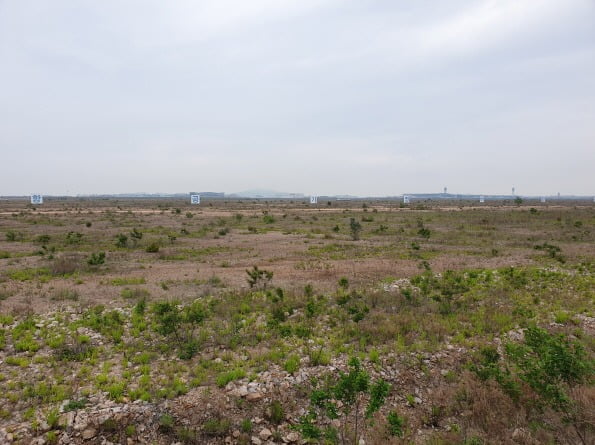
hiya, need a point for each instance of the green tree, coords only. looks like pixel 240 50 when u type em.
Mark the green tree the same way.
pixel 355 228
pixel 344 398
pixel 136 236
pixel 258 277
pixel 121 240
pixel 551 365
pixel 181 324
pixel 96 259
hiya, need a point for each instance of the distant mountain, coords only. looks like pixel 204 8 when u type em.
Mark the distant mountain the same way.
pixel 263 193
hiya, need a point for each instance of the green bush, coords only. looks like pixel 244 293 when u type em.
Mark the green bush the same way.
pixel 53 418
pixel 258 277
pixel 96 259
pixel 43 239
pixel 344 283
pixel 121 240
pixel 355 228
pixel 553 251
pixel 276 413
pixel 396 424
pixel 246 426
pixel 424 232
pixel 166 422
pixel 136 236
pixel 109 324
pixel 292 364
pixel 11 235
pixel 216 427
pixel 135 293
pixel 181 324
pixel 74 405
pixel 488 367
pixel 127 281
pixel 74 237
pixel 550 364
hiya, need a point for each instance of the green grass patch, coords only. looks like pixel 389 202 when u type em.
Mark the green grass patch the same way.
pixel 230 376
pixel 127 281
pixel 41 273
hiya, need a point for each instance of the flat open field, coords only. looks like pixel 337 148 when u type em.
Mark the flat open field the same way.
pixel 220 320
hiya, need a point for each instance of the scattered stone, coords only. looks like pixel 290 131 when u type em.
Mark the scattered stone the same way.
pixel 292 437
pixel 254 396
pixel 89 433
pixel 265 434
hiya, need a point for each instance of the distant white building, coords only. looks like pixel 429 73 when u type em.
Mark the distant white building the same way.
pixel 36 199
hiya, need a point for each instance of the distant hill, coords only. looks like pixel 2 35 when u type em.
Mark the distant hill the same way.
pixel 263 193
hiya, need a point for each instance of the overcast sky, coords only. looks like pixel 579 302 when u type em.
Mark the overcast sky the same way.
pixel 378 97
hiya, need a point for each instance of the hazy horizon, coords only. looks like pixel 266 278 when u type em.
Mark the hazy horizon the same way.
pixel 279 194
pixel 321 97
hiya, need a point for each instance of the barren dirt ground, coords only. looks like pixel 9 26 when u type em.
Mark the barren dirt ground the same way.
pixel 298 244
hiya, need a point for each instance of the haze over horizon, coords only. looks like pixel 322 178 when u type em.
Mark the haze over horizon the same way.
pixel 321 97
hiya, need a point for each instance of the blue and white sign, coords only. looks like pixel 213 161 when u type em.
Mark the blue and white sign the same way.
pixel 194 199
pixel 482 199
pixel 405 199
pixel 36 199
pixel 313 199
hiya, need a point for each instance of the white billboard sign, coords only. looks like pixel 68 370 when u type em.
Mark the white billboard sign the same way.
pixel 36 199
pixel 482 199
pixel 194 199
pixel 313 199
pixel 405 199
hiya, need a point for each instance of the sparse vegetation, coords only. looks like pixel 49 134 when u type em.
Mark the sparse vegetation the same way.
pixel 481 328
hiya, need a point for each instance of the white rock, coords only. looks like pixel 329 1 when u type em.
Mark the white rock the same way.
pixel 265 434
pixel 89 433
pixel 254 396
pixel 292 437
